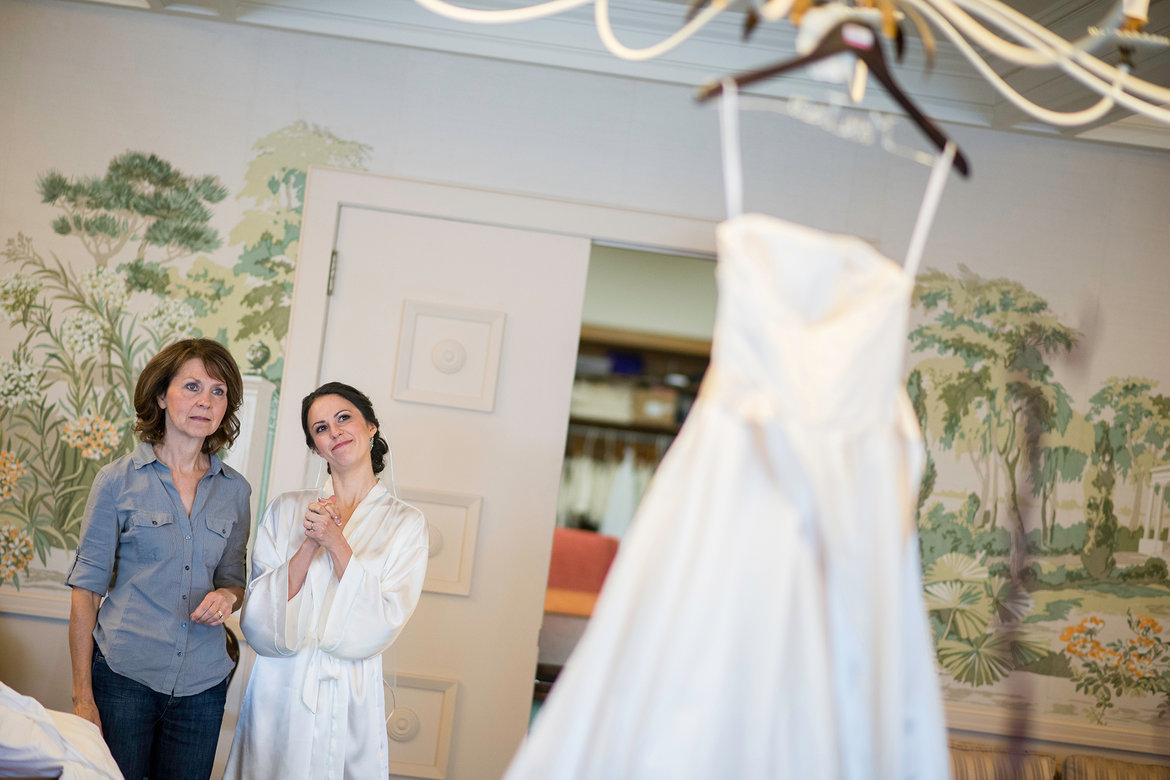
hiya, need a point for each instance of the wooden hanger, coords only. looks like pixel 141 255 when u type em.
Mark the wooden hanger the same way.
pixel 861 40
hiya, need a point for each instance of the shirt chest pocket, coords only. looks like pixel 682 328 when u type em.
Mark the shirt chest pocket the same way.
pixel 214 542
pixel 152 536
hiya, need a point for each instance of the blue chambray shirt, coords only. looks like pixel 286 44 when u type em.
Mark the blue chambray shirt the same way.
pixel 157 564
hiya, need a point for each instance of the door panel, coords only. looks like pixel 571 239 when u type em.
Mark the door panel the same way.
pixel 509 457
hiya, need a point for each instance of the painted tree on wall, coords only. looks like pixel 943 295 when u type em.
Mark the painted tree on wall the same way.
pixel 994 388
pixel 82 327
pixel 141 198
pixel 1001 595
pixel 66 394
pixel 1060 459
pixel 269 234
pixel 1135 422
pixel 1132 430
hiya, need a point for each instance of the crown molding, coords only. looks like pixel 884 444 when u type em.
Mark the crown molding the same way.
pixel 950 92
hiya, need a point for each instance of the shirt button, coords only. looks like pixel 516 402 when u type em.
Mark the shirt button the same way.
pixel 188 537
pixel 188 568
pixel 184 597
pixel 154 522
pixel 182 625
pixel 180 652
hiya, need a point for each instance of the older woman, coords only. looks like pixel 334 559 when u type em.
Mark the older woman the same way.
pixel 163 539
pixel 336 573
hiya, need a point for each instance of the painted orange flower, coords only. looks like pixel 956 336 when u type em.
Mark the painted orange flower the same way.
pixel 95 436
pixel 11 470
pixel 1146 623
pixel 16 552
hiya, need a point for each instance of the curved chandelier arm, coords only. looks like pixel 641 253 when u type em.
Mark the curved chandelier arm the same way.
pixel 618 49
pixel 1132 103
pixel 1058 118
pixel 1061 53
pixel 502 16
pixel 1113 83
pixel 963 22
pixel 1024 55
pixel 1144 89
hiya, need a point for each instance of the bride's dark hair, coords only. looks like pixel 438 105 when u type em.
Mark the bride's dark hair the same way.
pixel 365 409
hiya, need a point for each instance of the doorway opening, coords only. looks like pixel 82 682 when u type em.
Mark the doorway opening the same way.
pixel 645 344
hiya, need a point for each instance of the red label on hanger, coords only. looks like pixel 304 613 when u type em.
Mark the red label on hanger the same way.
pixel 857 36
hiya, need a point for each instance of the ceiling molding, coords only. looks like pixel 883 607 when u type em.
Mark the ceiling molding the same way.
pixel 951 92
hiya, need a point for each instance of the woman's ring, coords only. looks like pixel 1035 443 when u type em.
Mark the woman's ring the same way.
pixel 219 612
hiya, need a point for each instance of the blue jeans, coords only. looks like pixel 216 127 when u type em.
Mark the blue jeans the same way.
pixel 157 735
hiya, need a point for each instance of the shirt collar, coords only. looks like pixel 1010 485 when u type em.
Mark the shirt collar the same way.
pixel 217 467
pixel 143 455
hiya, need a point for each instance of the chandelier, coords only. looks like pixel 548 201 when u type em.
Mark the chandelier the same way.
pixel 983 31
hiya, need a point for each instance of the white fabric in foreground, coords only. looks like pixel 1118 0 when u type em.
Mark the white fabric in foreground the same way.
pixel 764 616
pixel 42 743
pixel 315 708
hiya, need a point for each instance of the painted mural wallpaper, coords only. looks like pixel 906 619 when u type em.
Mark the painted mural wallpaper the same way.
pixel 1042 517
pixel 148 264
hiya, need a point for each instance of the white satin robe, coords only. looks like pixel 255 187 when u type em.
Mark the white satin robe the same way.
pixel 314 707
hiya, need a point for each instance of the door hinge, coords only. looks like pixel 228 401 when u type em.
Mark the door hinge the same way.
pixel 332 272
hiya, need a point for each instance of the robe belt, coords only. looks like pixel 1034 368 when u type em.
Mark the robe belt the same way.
pixel 322 667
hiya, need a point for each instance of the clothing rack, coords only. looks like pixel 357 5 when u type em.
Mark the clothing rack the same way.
pixel 602 443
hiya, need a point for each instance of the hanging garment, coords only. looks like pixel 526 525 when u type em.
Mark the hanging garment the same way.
pixel 764 615
pixel 623 497
pixel 315 706
pixel 578 483
pixel 564 492
pixel 602 475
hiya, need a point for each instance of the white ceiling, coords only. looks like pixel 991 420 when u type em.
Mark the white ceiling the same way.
pixel 952 91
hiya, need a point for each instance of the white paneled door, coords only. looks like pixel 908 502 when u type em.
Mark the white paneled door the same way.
pixel 458 311
pixel 464 337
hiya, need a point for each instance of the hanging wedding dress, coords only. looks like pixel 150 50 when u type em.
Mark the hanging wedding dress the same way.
pixel 764 616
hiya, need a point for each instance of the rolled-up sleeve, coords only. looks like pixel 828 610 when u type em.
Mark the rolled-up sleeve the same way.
pixel 230 572
pixel 93 567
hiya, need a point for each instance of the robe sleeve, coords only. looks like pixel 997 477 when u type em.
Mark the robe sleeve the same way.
pixel 272 624
pixel 377 595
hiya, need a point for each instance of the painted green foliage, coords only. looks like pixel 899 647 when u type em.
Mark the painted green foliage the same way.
pixel 85 325
pixel 66 405
pixel 992 385
pixel 142 199
pixel 982 639
pixel 270 232
pixel 985 393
